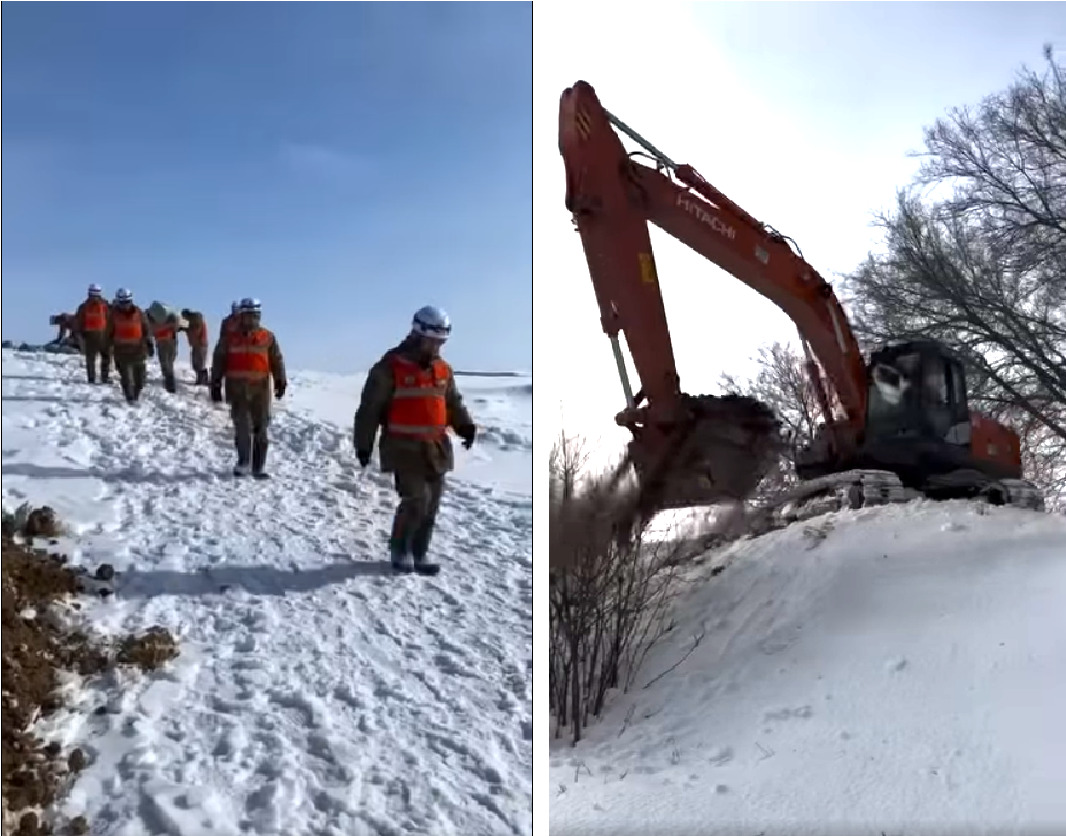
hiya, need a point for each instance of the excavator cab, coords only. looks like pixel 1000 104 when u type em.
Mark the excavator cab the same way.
pixel 919 424
pixel 917 390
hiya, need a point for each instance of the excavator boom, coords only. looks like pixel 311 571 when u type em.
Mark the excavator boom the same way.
pixel 613 198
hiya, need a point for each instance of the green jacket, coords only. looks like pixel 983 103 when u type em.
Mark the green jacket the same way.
pixel 400 454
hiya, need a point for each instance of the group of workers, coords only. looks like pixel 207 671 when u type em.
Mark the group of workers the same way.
pixel 410 396
pixel 120 331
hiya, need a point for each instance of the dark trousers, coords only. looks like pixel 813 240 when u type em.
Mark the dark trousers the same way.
pixel 412 526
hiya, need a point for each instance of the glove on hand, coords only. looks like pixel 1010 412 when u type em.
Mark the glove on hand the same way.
pixel 279 390
pixel 467 434
pixel 151 349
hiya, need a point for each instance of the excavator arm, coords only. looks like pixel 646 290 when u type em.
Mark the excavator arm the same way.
pixel 613 198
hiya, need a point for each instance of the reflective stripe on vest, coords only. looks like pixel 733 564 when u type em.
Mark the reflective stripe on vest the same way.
pixel 128 326
pixel 248 355
pixel 94 316
pixel 418 409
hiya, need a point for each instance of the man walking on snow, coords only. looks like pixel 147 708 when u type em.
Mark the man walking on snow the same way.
pixel 129 340
pixel 246 358
pixel 196 333
pixel 165 333
pixel 410 393
pixel 90 324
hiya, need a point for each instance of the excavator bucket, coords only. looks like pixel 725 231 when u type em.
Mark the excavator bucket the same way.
pixel 719 451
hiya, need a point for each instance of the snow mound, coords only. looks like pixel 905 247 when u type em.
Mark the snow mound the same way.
pixel 316 693
pixel 896 670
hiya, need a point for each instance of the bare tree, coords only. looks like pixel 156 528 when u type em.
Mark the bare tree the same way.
pixel 566 463
pixel 975 256
pixel 781 383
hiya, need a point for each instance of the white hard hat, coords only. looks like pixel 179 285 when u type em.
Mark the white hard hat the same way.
pixel 250 305
pixel 95 290
pixel 431 322
pixel 123 294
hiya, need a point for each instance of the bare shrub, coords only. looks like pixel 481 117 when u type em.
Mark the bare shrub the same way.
pixel 610 592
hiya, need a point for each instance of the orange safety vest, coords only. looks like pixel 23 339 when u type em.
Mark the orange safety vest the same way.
pixel 128 330
pixel 248 354
pixel 418 409
pixel 164 331
pixel 94 316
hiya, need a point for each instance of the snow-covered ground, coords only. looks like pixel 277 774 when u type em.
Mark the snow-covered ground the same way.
pixel 503 406
pixel 887 671
pixel 315 692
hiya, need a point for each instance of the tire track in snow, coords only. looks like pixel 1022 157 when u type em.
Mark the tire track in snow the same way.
pixel 314 695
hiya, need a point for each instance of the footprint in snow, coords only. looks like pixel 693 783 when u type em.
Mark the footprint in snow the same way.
pixel 803 712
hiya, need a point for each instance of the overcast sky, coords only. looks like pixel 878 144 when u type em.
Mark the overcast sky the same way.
pixel 803 113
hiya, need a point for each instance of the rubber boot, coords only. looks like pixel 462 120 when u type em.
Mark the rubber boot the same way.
pixel 398 551
pixel 424 565
pixel 259 455
pixel 201 378
pixel 242 468
pixel 401 560
pixel 170 384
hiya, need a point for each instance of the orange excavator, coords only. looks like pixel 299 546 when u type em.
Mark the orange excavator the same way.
pixel 895 425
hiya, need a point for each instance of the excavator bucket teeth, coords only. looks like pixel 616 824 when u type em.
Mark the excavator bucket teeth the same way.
pixel 721 451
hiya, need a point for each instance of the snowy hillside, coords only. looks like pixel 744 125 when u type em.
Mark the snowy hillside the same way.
pixel 315 693
pixel 898 670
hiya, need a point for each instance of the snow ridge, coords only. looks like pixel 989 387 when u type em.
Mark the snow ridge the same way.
pixel 888 670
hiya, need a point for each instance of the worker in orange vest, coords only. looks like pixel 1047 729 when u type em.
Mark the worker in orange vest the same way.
pixel 90 324
pixel 410 393
pixel 245 359
pixel 129 341
pixel 196 334
pixel 165 334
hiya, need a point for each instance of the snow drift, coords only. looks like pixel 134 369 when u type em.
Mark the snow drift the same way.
pixel 897 670
pixel 316 692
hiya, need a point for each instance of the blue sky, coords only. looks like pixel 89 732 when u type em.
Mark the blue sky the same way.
pixel 345 162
